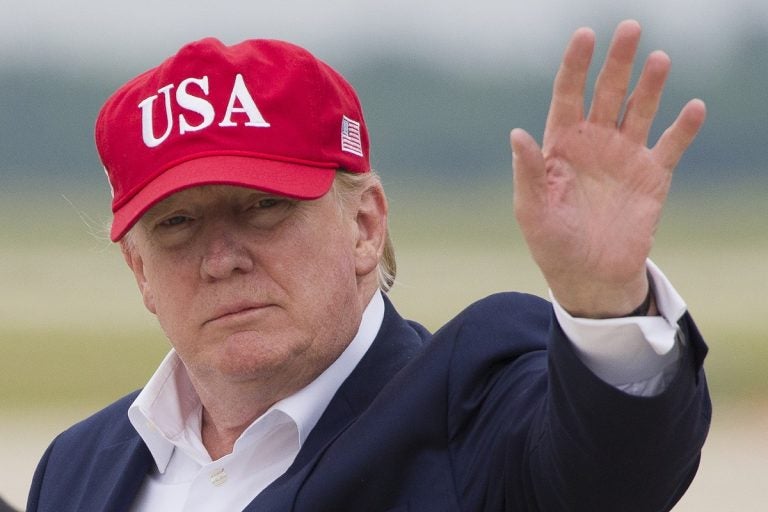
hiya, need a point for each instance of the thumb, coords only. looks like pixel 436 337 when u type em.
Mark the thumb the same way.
pixel 529 176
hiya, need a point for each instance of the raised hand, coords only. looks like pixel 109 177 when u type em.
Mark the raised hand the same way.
pixel 589 200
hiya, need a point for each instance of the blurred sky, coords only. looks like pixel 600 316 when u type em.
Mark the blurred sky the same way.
pixel 487 33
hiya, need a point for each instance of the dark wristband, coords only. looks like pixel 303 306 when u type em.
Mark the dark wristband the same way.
pixel 642 309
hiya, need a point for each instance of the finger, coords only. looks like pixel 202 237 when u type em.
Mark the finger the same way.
pixel 529 177
pixel 567 106
pixel 613 81
pixel 676 139
pixel 644 101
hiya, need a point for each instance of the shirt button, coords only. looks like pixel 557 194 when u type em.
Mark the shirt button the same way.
pixel 218 477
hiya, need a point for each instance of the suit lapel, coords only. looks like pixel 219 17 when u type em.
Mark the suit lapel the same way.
pixel 116 477
pixel 396 343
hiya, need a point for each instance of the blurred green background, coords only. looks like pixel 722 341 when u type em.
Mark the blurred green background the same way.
pixel 442 84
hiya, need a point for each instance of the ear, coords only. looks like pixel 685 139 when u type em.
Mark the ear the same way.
pixel 371 229
pixel 136 264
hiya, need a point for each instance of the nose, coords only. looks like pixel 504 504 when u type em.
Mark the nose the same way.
pixel 225 254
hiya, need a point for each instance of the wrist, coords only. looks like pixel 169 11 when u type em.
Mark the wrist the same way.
pixel 595 300
pixel 648 303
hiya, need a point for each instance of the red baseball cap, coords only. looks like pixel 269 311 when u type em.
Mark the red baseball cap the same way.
pixel 261 114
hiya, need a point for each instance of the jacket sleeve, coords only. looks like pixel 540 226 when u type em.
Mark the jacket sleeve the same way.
pixel 533 429
pixel 603 449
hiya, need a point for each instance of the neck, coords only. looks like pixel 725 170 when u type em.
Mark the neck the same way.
pixel 228 409
pixel 218 439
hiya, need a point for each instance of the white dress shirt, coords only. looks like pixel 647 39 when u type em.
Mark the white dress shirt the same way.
pixel 636 354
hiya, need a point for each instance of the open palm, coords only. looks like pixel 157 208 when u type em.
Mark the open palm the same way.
pixel 589 200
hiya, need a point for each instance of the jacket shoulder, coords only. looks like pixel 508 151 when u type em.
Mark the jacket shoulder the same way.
pixel 107 426
pixel 67 472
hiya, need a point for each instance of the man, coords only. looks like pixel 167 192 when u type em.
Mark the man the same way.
pixel 247 211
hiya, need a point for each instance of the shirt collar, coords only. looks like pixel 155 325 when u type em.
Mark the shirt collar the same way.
pixel 166 413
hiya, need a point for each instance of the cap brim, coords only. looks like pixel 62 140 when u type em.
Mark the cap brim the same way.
pixel 284 178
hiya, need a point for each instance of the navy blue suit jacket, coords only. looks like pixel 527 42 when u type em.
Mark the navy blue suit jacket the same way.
pixel 494 412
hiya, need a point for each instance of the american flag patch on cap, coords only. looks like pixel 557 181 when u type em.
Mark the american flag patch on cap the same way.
pixel 350 136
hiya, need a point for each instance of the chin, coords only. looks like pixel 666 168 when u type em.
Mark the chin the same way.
pixel 250 355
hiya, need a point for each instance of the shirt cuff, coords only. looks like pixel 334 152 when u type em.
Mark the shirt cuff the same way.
pixel 635 354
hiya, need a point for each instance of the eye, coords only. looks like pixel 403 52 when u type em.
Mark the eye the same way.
pixel 268 211
pixel 174 221
pixel 267 202
pixel 264 203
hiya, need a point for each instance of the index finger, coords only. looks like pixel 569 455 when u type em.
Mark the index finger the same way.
pixel 567 106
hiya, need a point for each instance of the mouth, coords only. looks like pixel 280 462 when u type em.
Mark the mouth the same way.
pixel 235 312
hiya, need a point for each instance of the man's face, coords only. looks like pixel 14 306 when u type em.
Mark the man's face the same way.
pixel 250 286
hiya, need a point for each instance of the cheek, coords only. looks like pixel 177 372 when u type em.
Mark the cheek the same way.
pixel 171 286
pixel 319 252
pixel 332 260
pixel 328 284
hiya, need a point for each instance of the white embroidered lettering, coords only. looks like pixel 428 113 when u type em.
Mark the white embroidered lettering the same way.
pixel 194 104
pixel 147 128
pixel 240 102
pixel 247 106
